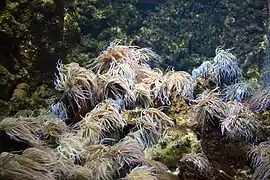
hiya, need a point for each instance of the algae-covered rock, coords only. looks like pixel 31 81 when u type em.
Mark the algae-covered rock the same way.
pixel 173 148
pixel 6 79
pixel 21 92
pixel 42 92
pixel 21 98
pixel 4 109
pixel 179 140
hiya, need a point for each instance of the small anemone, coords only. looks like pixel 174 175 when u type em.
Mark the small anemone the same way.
pixel 54 128
pixel 157 167
pixel 240 122
pixel 100 162
pixel 49 159
pixel 22 129
pixel 225 69
pixel 115 87
pixel 125 72
pixel 154 79
pixel 71 147
pixel 178 82
pixel 260 160
pixel 208 108
pixel 78 83
pixel 141 173
pixel 106 117
pixel 202 70
pixel 22 168
pixel 150 127
pixel 90 130
pixel 197 161
pixel 119 54
pixel 59 110
pixel 127 153
pixel 238 91
pixel 260 101
pixel 143 95
pixel 80 172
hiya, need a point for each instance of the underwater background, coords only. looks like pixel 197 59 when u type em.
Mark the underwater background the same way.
pixel 134 89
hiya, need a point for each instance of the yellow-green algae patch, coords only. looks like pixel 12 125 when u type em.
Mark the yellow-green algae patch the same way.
pixel 179 140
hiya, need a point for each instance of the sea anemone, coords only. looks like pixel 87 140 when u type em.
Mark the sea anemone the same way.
pixel 18 167
pixel 116 88
pixel 238 91
pixel 202 70
pixel 49 159
pixel 125 72
pixel 59 110
pixel 154 79
pixel 224 69
pixel 127 153
pixel 100 162
pixel 143 95
pixel 151 126
pixel 71 147
pixel 107 115
pixel 116 53
pixel 197 161
pixel 78 84
pixel 179 82
pixel 208 108
pixel 240 122
pixel 260 160
pixel 54 129
pixel 141 173
pixel 22 129
pixel 260 101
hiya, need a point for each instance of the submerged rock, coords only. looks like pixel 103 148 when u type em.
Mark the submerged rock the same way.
pixel 21 92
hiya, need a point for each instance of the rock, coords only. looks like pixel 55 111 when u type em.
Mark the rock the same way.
pixel 21 92
pixel 4 109
pixel 6 79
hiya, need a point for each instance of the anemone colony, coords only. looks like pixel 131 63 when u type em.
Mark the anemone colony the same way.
pixel 113 110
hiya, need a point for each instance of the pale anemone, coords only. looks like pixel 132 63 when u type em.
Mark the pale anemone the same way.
pixel 127 153
pixel 25 130
pixel 150 126
pixel 196 161
pixel 71 147
pixel 260 160
pixel 238 92
pixel 78 84
pixel 143 95
pixel 80 172
pixel 260 101
pixel 18 167
pixel 208 108
pixel 117 53
pixel 49 159
pixel 104 118
pixel 141 173
pixel 179 82
pixel 116 88
pixel 240 122
pixel 225 69
pixel 59 110
pixel 101 163
pixel 202 70
pixel 125 72
pixel 155 80
pixel 53 128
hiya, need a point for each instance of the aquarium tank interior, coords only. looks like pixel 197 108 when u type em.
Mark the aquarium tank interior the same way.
pixel 134 90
